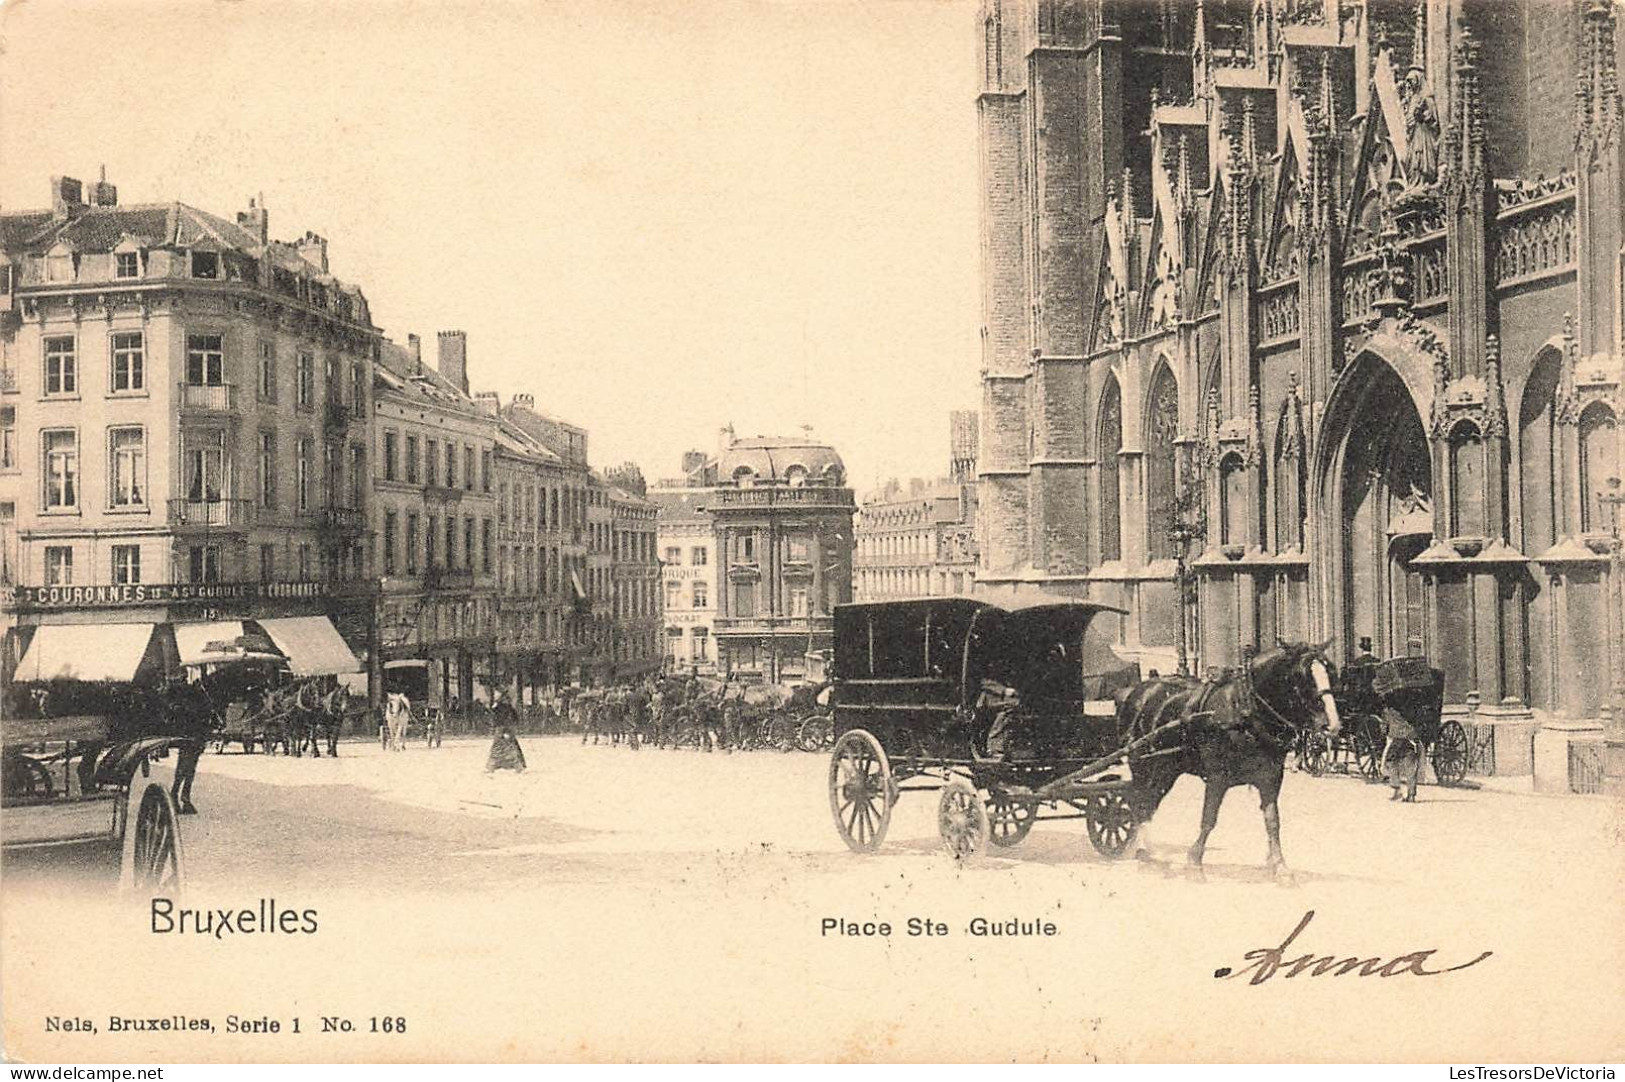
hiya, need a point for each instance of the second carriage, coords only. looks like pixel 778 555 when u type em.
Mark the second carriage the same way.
pixel 1004 704
pixel 1370 695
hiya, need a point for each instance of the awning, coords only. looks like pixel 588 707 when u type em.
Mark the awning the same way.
pixel 209 643
pixel 85 652
pixel 313 645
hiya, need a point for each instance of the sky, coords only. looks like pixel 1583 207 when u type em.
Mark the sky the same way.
pixel 657 218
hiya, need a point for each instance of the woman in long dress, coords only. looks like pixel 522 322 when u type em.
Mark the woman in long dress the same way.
pixel 506 754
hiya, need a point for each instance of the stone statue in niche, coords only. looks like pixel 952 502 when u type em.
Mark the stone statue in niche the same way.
pixel 1421 130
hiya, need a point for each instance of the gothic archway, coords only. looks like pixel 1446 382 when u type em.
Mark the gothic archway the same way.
pixel 1376 496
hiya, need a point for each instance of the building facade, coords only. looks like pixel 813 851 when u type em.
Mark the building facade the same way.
pixel 567 501
pixel 782 515
pixel 533 600
pixel 435 517
pixel 636 649
pixel 922 544
pixel 184 410
pixel 686 540
pixel 1280 305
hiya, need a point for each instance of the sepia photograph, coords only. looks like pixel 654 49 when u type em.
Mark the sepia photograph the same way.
pixel 812 531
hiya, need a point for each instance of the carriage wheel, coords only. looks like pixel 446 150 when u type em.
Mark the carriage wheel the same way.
pixel 1316 751
pixel 810 733
pixel 1368 741
pixel 861 790
pixel 1112 824
pixel 781 732
pixel 1450 754
pixel 962 821
pixel 1010 820
pixel 153 858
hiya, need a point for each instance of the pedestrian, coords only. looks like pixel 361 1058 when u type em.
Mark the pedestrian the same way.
pixel 188 719
pixel 506 754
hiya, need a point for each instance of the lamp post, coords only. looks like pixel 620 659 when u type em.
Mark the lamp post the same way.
pixel 1613 711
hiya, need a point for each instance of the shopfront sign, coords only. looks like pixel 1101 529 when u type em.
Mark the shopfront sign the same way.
pixel 66 598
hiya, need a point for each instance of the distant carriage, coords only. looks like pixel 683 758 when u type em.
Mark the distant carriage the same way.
pixel 1372 695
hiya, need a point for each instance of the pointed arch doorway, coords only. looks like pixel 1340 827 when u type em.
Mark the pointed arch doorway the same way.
pixel 1377 493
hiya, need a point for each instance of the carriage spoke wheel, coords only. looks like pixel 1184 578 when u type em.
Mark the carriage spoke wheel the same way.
pixel 1368 741
pixel 1009 820
pixel 1112 824
pixel 861 790
pixel 810 733
pixel 1450 754
pixel 154 855
pixel 1316 751
pixel 962 821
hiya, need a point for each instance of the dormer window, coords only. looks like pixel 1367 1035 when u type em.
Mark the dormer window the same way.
pixel 796 476
pixel 205 264
pixel 61 264
pixel 126 265
pixel 744 477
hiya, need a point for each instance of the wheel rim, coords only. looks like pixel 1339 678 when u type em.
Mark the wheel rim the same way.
pixel 1368 747
pixel 1450 754
pixel 1314 755
pixel 860 791
pixel 156 862
pixel 962 821
pixel 1008 821
pixel 1111 824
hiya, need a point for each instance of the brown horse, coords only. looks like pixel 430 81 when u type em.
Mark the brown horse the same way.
pixel 1235 730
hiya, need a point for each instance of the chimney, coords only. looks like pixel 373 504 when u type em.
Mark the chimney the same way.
pixel 489 402
pixel 66 197
pixel 414 346
pixel 693 460
pixel 312 248
pixel 453 362
pixel 523 402
pixel 255 221
pixel 103 194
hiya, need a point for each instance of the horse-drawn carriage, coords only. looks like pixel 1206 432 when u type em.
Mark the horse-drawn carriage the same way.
pixel 1010 699
pixel 275 683
pixel 81 732
pixel 1015 708
pixel 1377 698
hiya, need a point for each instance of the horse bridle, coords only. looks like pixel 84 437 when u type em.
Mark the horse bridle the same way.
pixel 1284 725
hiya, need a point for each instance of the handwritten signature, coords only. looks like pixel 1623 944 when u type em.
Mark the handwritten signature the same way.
pixel 1266 962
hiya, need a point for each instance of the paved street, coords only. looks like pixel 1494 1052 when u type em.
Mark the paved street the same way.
pixel 672 902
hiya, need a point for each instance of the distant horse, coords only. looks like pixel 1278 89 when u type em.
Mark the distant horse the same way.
pixel 1235 731
pixel 397 712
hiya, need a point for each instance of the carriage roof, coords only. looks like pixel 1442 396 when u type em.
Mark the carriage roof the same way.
pixel 964 639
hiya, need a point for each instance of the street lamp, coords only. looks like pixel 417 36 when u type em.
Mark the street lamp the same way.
pixel 1614 711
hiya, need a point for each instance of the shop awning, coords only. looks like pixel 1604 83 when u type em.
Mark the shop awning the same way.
pixel 312 644
pixel 209 643
pixel 85 652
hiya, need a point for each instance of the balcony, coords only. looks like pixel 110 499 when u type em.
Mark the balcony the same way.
pixel 446 578
pixel 211 514
pixel 337 418
pixel 773 625
pixel 208 397
pixel 770 496
pixel 341 519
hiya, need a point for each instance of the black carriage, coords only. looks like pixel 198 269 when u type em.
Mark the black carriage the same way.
pixel 1003 703
pixel 84 750
pixel 1371 696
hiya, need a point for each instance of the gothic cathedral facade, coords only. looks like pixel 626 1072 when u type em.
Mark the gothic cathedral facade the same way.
pixel 1302 321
